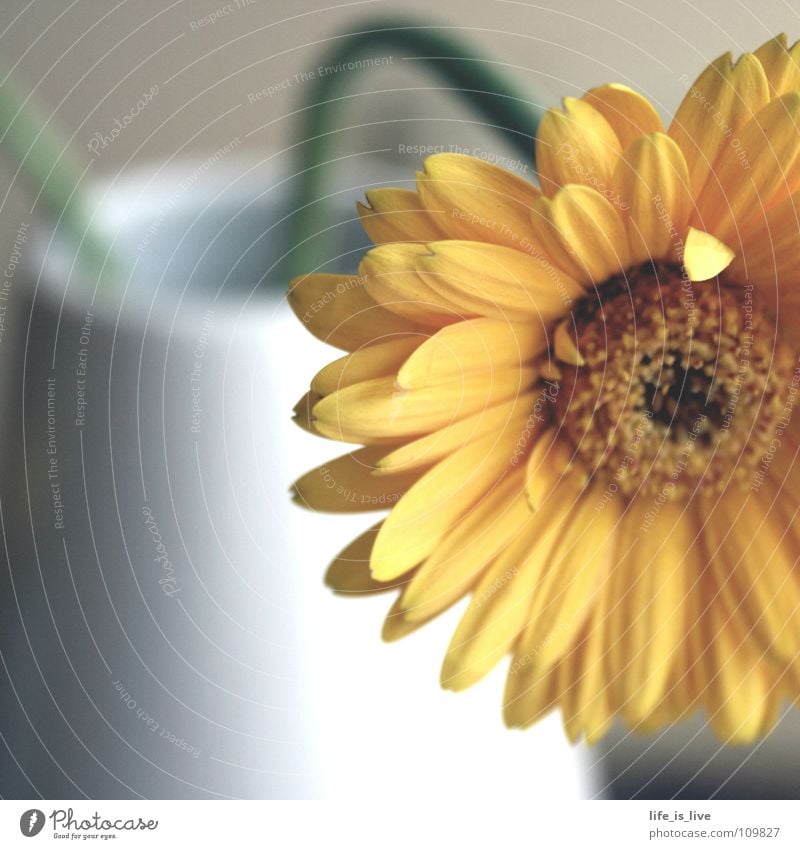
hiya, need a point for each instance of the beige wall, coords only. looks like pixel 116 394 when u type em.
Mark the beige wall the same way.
pixel 90 64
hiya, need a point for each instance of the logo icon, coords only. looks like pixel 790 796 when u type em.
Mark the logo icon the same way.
pixel 31 822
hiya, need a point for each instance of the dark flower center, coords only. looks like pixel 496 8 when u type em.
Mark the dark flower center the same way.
pixel 684 384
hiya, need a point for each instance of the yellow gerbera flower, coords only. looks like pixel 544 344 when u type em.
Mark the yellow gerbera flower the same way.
pixel 578 402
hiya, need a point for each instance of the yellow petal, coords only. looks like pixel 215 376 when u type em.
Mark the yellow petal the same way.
pixel 576 575
pixel 396 625
pixel 476 345
pixel 781 65
pixel 549 463
pixel 337 309
pixel 659 565
pixel 349 573
pixel 738 684
pixel 347 485
pixel 653 180
pixel 583 233
pixel 770 249
pixel 577 145
pixel 758 172
pixel 438 501
pixel 629 113
pixel 529 694
pixel 498 282
pixel 761 571
pixel 475 200
pixel 465 552
pixel 565 347
pixel 392 281
pixel 721 101
pixel 498 611
pixel 302 412
pixel 704 256
pixel 434 446
pixel 378 409
pixel 397 215
pixel 379 360
pixel 592 711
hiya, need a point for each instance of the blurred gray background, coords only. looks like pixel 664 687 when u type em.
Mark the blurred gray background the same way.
pixel 88 63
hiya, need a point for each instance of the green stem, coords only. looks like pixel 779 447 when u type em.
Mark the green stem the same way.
pixel 468 74
pixel 51 176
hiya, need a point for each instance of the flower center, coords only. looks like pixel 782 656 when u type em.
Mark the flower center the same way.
pixel 683 384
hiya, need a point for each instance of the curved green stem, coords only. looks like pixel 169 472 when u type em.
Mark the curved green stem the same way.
pixel 468 74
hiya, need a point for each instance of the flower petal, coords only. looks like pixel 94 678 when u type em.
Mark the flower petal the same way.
pixel 437 502
pixel 498 612
pixel 349 573
pixel 347 485
pixel 781 65
pixel 378 409
pixel 549 464
pixel 590 710
pixel 653 180
pixel 497 282
pixel 434 446
pixel 392 282
pixel 397 215
pixel 475 200
pixel 738 679
pixel 704 256
pixel 337 309
pixel 302 416
pixel 770 251
pixel 577 145
pixel 475 345
pixel 629 113
pixel 760 170
pixel 379 360
pixel 464 553
pixel 653 608
pixel 760 577
pixel 576 574
pixel 721 101
pixel 565 347
pixel 583 233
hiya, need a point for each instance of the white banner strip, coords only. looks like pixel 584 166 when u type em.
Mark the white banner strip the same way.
pixel 401 823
